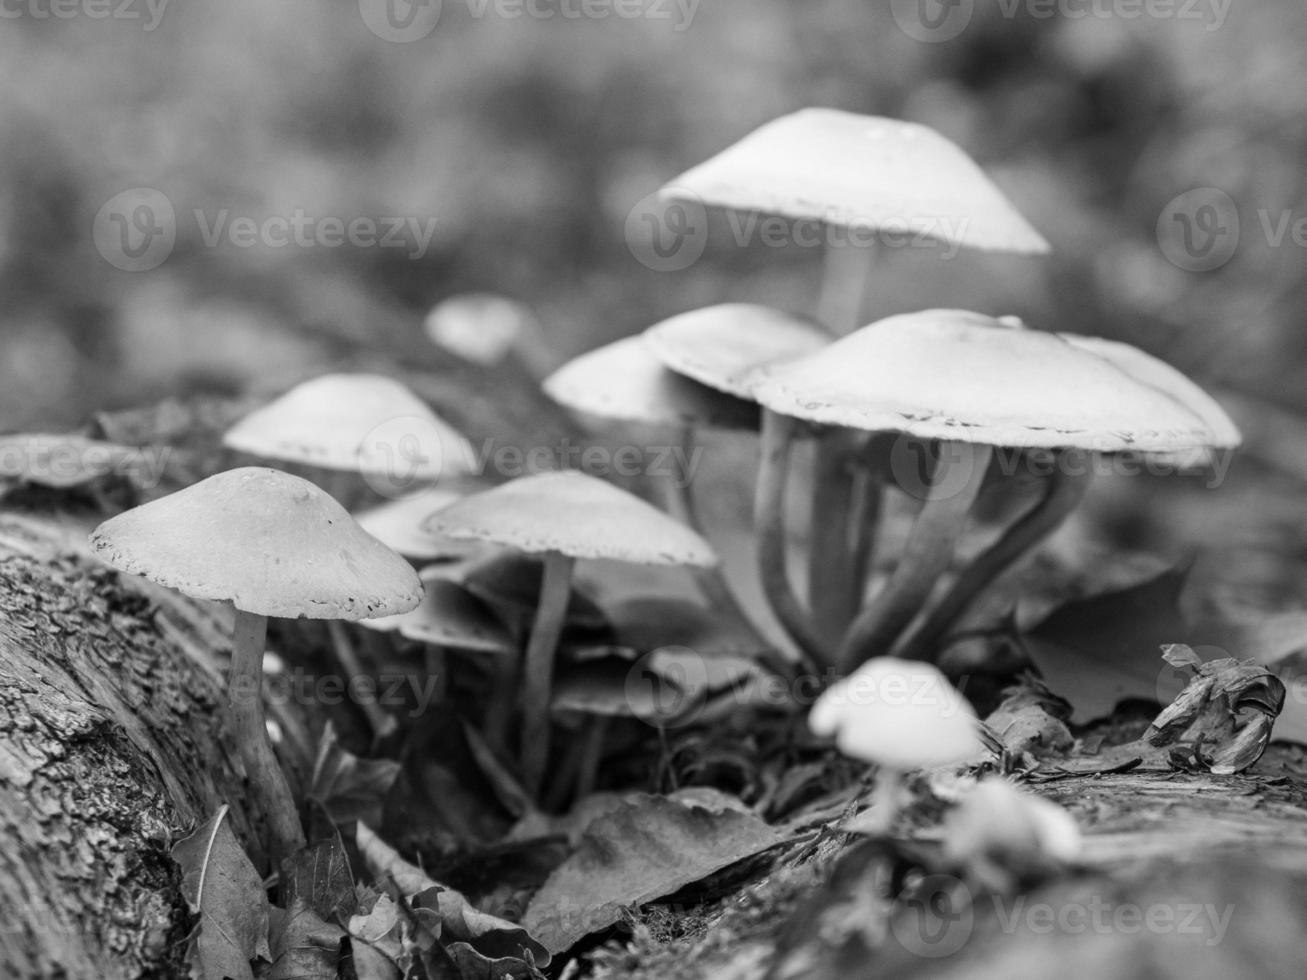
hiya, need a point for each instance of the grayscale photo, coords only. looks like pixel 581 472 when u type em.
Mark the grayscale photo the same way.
pixel 653 490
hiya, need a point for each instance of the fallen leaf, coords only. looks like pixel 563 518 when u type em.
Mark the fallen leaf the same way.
pixel 1102 650
pixel 642 851
pixel 221 886
pixel 349 788
pixel 482 944
pixel 318 876
pixel 304 947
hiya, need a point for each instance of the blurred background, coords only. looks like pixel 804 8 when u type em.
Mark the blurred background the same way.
pixel 1157 145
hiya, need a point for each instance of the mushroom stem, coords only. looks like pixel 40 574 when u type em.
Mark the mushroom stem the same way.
pixel 886 797
pixel 1063 492
pixel 868 500
pixel 245 702
pixel 830 595
pixel 499 707
pixel 537 687
pixel 592 753
pixel 681 505
pixel 959 470
pixel 380 721
pixel 769 519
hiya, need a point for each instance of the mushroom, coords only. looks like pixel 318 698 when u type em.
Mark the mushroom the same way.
pixel 362 424
pixel 1005 837
pixel 356 424
pixel 452 620
pixel 929 375
pixel 900 715
pixel 269 544
pixel 624 381
pixel 722 347
pixel 565 516
pixel 398 525
pixel 867 174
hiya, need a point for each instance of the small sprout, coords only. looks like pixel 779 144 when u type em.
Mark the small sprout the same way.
pixel 564 516
pixel 899 715
pixel 1005 837
pixel 270 544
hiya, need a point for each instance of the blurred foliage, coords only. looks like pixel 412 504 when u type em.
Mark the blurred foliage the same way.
pixel 529 141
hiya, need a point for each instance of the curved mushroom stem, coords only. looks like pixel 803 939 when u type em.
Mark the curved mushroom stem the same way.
pixel 769 520
pixel 503 696
pixel 681 505
pixel 245 701
pixel 538 683
pixel 381 722
pixel 1063 492
pixel 956 481
pixel 868 498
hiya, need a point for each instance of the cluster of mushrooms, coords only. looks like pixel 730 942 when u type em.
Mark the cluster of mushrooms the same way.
pixel 485 573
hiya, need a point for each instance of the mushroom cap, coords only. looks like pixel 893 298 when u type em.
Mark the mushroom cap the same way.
pixel 478 327
pixel 361 423
pixel 450 616
pixel 720 346
pixel 864 172
pixel 265 541
pixel 953 374
pixel 626 381
pixel 61 460
pixel 1156 373
pixel 900 714
pixel 398 525
pixel 577 515
pixel 996 820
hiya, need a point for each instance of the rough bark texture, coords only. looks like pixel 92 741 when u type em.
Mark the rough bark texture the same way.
pixel 111 746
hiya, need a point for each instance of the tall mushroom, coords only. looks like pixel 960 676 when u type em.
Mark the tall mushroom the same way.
pixel 350 425
pixel 969 383
pixel 875 177
pixel 269 544
pixel 565 516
